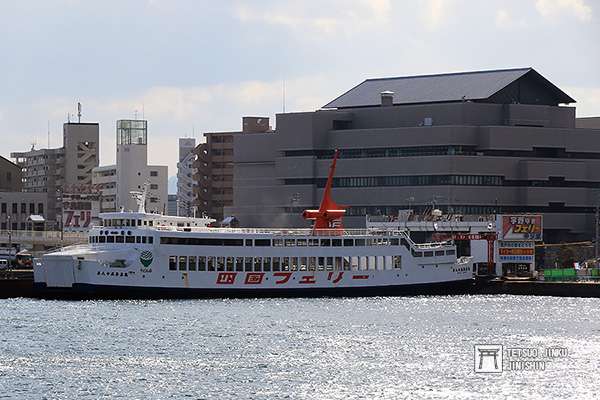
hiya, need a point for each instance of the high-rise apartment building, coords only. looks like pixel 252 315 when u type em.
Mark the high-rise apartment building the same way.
pixel 214 165
pixel 131 172
pixel 50 170
pixel 185 177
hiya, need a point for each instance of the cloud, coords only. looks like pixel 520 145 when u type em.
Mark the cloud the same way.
pixel 434 13
pixel 328 18
pixel 588 100
pixel 171 111
pixel 555 8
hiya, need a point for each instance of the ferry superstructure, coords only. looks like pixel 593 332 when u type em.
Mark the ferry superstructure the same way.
pixel 136 254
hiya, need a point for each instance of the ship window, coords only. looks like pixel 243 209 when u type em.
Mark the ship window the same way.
pixel 143 239
pixel 130 239
pixel 354 263
pixel 303 263
pixel 336 242
pixel 326 242
pixel 145 223
pixel 294 263
pixel 210 261
pixel 313 242
pixel 417 253
pixel 172 263
pixel 346 263
pixel 395 242
pixel 428 254
pixel 182 263
pixel 276 265
pixel 139 222
pixel 138 239
pixel 150 223
pixel 229 263
pixel 329 265
pixel 439 253
pixel 397 260
pixel 267 264
pixel 359 242
pixel 192 263
pixel 348 242
pixel 277 242
pixel 450 252
pixel 110 239
pixel 248 242
pixel 290 242
pixel 120 239
pixel 312 263
pixel 321 263
pixel 262 242
pixel 220 263
pixel 301 242
pixel 257 263
pixel 233 242
pixel 239 263
pixel 247 264
pixel 338 261
pixel 150 239
pixel 201 263
pixel 102 239
pixel 285 264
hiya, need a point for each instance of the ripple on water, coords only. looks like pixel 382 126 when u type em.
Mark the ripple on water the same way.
pixel 388 348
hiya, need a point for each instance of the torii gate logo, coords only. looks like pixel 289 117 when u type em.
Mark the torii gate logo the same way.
pixel 488 358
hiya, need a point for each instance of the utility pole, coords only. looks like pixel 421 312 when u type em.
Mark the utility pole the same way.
pixel 597 230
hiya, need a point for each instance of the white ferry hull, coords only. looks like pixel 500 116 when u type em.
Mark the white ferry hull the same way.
pixel 91 291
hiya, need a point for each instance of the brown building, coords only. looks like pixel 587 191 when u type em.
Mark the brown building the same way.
pixel 10 176
pixel 214 164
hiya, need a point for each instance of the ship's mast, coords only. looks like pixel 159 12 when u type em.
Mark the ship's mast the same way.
pixel 329 215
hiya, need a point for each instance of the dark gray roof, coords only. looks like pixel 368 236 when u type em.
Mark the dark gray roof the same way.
pixel 476 85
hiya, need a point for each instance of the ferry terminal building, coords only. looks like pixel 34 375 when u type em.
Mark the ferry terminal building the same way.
pixel 483 142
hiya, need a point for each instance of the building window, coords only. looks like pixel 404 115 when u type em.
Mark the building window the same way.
pixel 3 210
pixel 40 208
pixel 153 173
pixel 15 207
pixel 153 186
pixel 31 208
pixel 23 208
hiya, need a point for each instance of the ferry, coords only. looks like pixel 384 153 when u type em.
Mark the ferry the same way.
pixel 145 255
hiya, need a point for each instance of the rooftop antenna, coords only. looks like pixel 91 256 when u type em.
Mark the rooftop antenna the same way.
pixel 283 94
pixel 68 118
pixel 78 112
pixel 48 133
pixel 140 197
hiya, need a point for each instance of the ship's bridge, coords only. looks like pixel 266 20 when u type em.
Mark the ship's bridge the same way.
pixel 150 220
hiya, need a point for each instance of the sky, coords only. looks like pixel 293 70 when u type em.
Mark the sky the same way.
pixel 195 66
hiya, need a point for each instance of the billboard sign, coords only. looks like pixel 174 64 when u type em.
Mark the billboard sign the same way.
pixel 80 210
pixel 521 227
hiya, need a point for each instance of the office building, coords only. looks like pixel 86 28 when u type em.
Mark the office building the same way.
pixel 10 176
pixel 214 165
pixel 131 172
pixel 481 142
pixel 186 184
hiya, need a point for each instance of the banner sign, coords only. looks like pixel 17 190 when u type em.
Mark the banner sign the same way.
pixel 521 251
pixel 521 227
